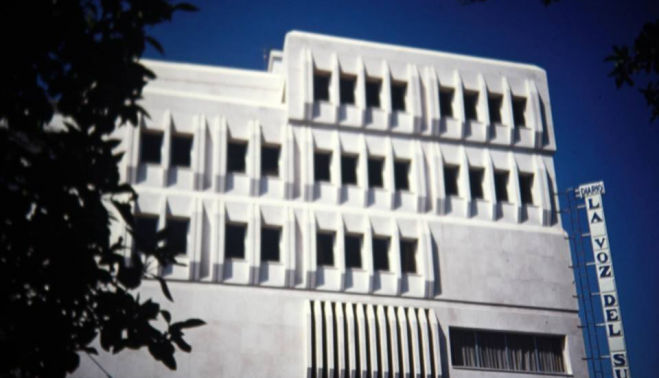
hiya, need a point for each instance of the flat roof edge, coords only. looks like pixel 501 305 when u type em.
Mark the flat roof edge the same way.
pixel 296 33
pixel 208 68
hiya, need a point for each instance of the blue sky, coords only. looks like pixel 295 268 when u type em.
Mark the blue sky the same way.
pixel 602 133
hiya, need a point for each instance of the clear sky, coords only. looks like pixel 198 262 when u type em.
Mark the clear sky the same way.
pixel 602 133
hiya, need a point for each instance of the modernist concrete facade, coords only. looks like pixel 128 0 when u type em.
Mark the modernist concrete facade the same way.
pixel 462 205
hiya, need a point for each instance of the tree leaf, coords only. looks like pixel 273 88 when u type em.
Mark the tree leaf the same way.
pixel 165 289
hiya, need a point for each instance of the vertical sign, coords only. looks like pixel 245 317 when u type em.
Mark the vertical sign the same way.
pixel 592 195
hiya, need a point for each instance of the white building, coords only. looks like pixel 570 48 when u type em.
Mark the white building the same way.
pixel 359 209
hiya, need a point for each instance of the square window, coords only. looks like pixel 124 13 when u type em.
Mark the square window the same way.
pixel 270 160
pixel 398 94
pixel 408 255
pixel 373 88
pixel 177 234
pixel 495 103
pixel 526 188
pixel 471 105
pixel 325 248
pixel 270 243
pixel 451 175
pixel 402 174
pixel 321 166
pixel 146 228
pixel 501 185
pixel 446 102
pixel 236 157
pixel 321 84
pixel 519 108
pixel 380 253
pixel 476 176
pixel 347 87
pixel 375 172
pixel 353 251
pixel 181 151
pixel 151 147
pixel 349 170
pixel 234 240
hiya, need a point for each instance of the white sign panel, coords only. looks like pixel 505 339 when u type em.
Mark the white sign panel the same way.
pixel 592 195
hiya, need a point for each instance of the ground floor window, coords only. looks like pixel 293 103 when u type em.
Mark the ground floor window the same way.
pixel 507 351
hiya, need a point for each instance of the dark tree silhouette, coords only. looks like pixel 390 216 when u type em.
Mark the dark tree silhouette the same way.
pixel 63 281
pixel 640 62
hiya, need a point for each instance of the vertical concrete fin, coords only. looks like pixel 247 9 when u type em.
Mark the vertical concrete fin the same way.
pixel 221 243
pixel 318 332
pixel 309 350
pixel 543 189
pixel 458 101
pixel 372 342
pixel 352 341
pixel 340 340
pixel 223 142
pixel 383 351
pixel 404 346
pixel 432 100
pixel 413 327
pixel 394 342
pixel 340 250
pixel 507 109
pixel 362 340
pixel 385 94
pixel 329 339
pixel 514 184
pixel 489 183
pixel 436 345
pixel 425 349
pixel 464 180
pixel 420 179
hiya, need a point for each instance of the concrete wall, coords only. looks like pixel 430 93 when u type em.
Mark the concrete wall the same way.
pixel 481 263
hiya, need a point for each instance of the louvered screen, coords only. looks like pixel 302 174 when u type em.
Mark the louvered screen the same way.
pixel 357 340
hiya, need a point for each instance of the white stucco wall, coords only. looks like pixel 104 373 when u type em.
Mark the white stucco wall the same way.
pixel 481 263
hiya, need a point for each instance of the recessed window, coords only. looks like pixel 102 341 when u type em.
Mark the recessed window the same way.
pixel 349 169
pixel 151 147
pixel 177 234
pixel 236 157
pixel 373 89
pixel 234 240
pixel 375 172
pixel 446 102
pixel 471 105
pixel 270 160
pixel 321 84
pixel 347 87
pixel 476 176
pixel 501 185
pixel 408 255
pixel 321 165
pixel 402 174
pixel 146 228
pixel 519 109
pixel 353 250
pixel 181 150
pixel 398 94
pixel 526 188
pixel 507 351
pixel 451 175
pixel 381 253
pixel 495 103
pixel 325 248
pixel 270 243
